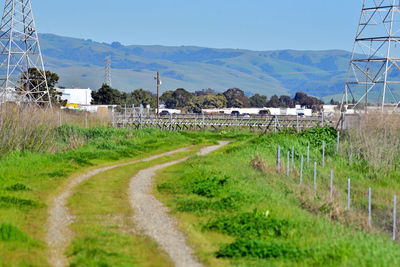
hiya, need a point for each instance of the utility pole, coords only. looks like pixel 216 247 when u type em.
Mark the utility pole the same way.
pixel 158 92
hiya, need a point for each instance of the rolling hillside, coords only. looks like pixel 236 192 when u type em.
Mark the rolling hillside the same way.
pixel 80 63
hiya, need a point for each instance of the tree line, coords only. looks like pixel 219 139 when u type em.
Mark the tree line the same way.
pixel 203 99
pixel 179 98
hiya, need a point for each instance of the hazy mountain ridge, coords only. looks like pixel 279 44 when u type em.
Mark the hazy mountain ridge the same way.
pixel 80 63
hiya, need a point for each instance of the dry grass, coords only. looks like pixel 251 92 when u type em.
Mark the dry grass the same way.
pixel 28 128
pixel 376 139
pixel 25 128
pixel 258 163
pixel 332 208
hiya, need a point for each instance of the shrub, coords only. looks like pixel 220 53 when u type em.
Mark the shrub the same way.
pixel 254 225
pixel 208 187
pixel 315 136
pixel 258 249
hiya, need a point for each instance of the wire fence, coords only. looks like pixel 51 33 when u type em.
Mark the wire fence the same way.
pixel 347 200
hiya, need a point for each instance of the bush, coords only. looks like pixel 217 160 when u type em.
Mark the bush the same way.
pixel 315 136
pixel 208 187
pixel 258 249
pixel 254 225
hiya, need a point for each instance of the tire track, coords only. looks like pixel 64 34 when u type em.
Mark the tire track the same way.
pixel 152 217
pixel 59 234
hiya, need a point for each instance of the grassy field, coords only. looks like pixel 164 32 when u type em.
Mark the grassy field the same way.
pixel 28 180
pixel 236 209
pixel 233 205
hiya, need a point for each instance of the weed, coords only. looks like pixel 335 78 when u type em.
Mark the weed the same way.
pixel 316 136
pixel 90 256
pixel 9 232
pixel 259 164
pixel 14 202
pixel 253 225
pixel 209 187
pixel 258 249
pixel 18 187
pixel 229 202
pixel 243 248
pixel 56 174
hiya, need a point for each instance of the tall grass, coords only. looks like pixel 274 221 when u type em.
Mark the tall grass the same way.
pixel 375 141
pixel 28 128
pixel 25 128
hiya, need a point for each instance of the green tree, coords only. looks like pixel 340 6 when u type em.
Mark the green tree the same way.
pixel 273 102
pixel 286 101
pixel 208 91
pixel 180 98
pixel 142 97
pixel 258 101
pixel 206 101
pixel 36 80
pixel 168 99
pixel 107 96
pixel 236 98
pixel 309 102
pixel 215 101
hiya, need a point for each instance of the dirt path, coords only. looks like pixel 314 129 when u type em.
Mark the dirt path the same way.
pixel 59 234
pixel 152 217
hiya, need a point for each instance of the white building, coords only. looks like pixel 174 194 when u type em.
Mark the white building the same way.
pixel 330 109
pixel 76 96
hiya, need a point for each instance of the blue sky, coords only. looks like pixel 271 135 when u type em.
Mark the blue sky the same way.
pixel 251 24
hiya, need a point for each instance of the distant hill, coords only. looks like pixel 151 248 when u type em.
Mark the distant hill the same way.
pixel 80 63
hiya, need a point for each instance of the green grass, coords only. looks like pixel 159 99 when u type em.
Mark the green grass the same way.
pixel 28 180
pixel 105 234
pixel 232 213
pixel 251 218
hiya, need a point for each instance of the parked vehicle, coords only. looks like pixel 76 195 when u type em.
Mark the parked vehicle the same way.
pixel 164 113
pixel 265 112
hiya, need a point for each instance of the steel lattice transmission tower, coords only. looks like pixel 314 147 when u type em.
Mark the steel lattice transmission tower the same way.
pixel 107 78
pixel 20 57
pixel 374 72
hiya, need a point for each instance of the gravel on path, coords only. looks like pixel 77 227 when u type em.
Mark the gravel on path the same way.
pixel 60 218
pixel 152 217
